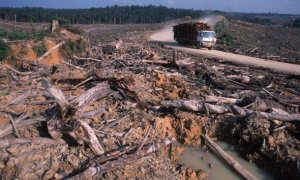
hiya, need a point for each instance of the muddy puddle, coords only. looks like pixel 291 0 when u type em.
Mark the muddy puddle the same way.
pixel 208 161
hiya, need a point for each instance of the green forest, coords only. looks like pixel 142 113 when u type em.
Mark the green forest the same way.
pixel 107 15
pixel 134 15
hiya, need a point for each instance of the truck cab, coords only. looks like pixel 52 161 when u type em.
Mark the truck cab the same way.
pixel 206 39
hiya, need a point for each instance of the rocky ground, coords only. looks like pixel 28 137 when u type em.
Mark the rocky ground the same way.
pixel 128 110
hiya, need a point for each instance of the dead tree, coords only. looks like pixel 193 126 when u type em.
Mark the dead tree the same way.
pixel 73 111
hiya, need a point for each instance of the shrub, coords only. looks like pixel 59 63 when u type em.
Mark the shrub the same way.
pixel 220 27
pixel 18 35
pixel 40 35
pixel 4 50
pixel 40 49
pixel 227 40
pixel 224 37
pixel 72 47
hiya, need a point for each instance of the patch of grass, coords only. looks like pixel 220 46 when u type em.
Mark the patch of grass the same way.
pixel 40 49
pixel 40 35
pixel 72 47
pixel 227 40
pixel 22 35
pixel 4 50
pixel 14 35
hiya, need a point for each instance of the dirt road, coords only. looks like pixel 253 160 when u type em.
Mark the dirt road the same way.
pixel 164 37
pixel 240 59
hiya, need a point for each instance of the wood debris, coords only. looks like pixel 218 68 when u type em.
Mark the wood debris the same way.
pixel 105 112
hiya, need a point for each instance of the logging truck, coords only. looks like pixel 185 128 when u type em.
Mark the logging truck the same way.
pixel 198 34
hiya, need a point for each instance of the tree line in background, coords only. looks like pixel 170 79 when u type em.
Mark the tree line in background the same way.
pixel 107 15
pixel 136 15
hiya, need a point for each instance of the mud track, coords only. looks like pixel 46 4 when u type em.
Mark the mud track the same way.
pixel 235 58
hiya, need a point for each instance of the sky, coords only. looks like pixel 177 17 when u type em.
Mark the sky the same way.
pixel 274 6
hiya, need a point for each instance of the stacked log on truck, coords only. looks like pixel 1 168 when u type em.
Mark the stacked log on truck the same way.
pixel 189 31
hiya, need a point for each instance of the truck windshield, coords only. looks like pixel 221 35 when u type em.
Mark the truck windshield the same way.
pixel 208 34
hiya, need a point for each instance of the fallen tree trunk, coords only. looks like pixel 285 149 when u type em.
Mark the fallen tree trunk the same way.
pixel 222 100
pixel 232 162
pixel 58 95
pixel 97 92
pixel 50 51
pixel 200 106
pixel 84 132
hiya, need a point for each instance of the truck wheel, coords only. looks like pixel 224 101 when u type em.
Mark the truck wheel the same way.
pixel 209 48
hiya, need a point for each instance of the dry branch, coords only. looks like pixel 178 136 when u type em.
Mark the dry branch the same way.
pixel 91 59
pixel 88 135
pixel 14 125
pixel 72 65
pixel 50 51
pixel 83 82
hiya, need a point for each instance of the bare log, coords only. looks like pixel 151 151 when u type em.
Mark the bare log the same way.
pixel 97 92
pixel 200 106
pixel 232 162
pixel 50 51
pixel 222 100
pixel 86 133
pixel 57 94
